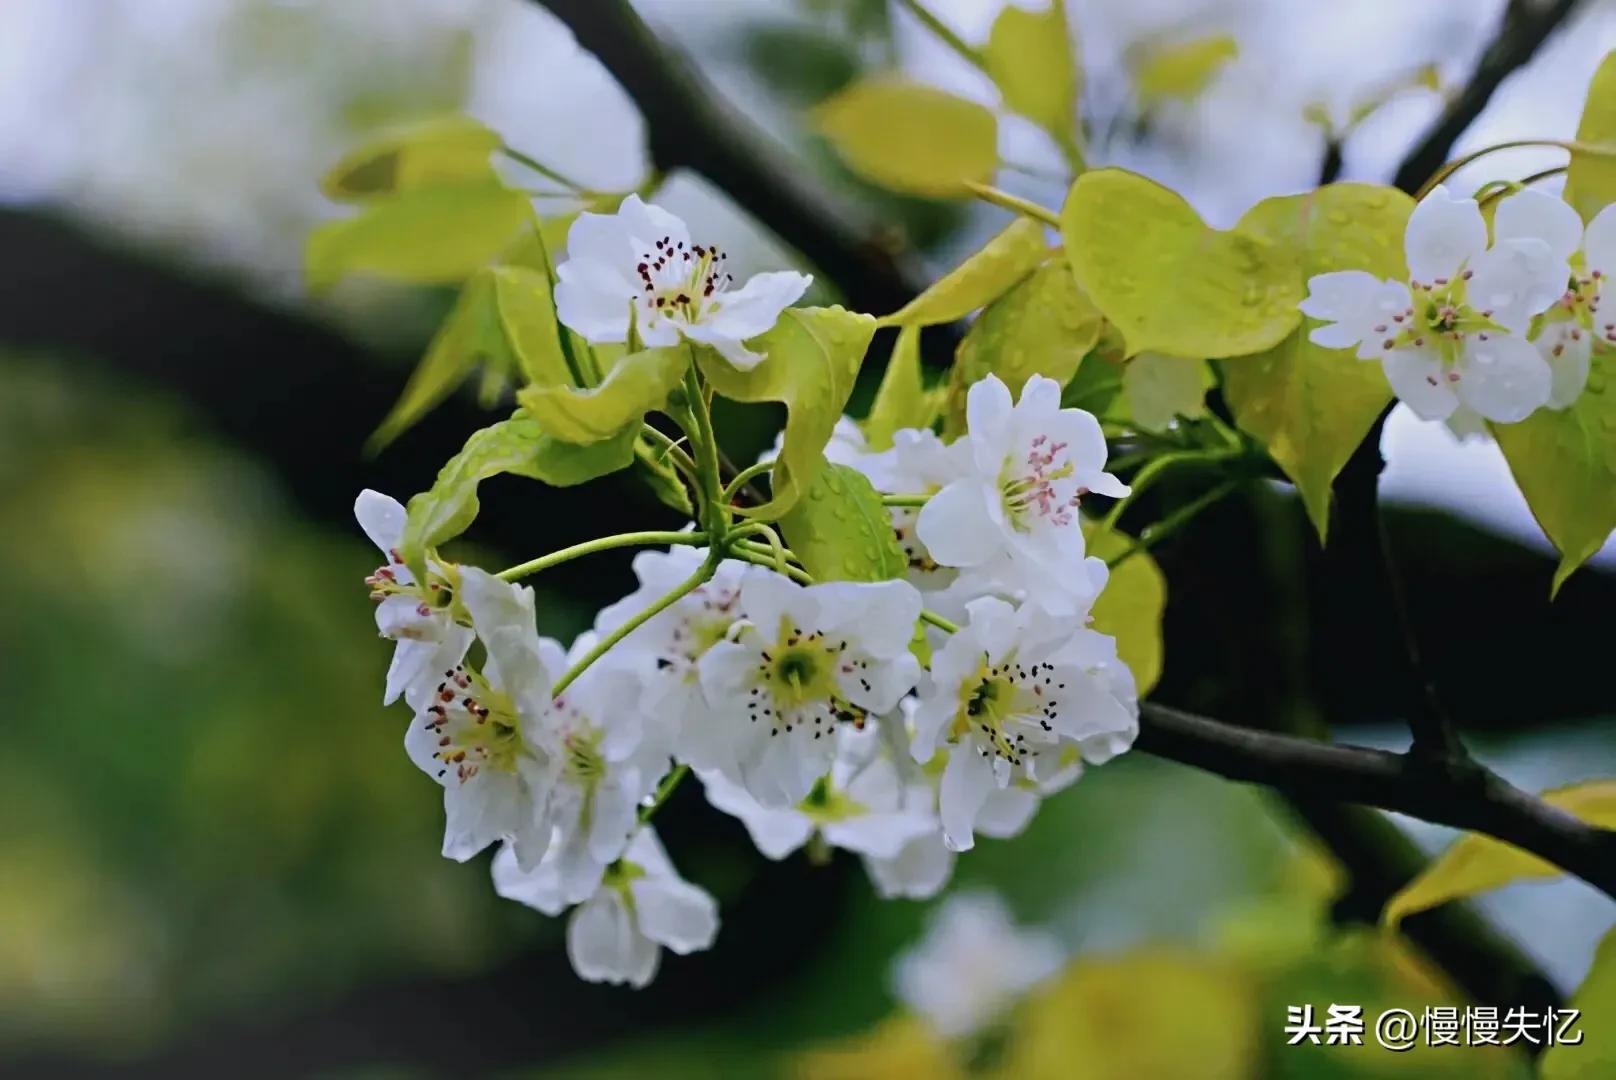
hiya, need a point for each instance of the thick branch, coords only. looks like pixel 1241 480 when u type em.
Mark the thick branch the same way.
pixel 1525 27
pixel 691 128
pixel 1468 797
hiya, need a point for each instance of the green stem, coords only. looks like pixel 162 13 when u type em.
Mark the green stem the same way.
pixel 941 30
pixel 776 548
pixel 1172 523
pixel 1512 144
pixel 664 789
pixel 672 451
pixel 905 500
pixel 703 574
pixel 938 621
pixel 758 555
pixel 1509 187
pixel 603 543
pixel 988 193
pixel 545 171
pixel 746 474
pixel 1149 474
pixel 705 445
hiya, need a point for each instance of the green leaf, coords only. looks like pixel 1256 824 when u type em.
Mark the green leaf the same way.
pixel 1477 863
pixel 1131 605
pixel 1591 178
pixel 504 319
pixel 841 532
pixel 981 278
pixel 910 137
pixel 636 384
pixel 1030 56
pixel 1564 462
pixel 902 401
pixel 1043 326
pixel 1168 282
pixel 518 445
pixel 1161 388
pixel 1595 1057
pixel 813 356
pixel 1182 71
pixel 1096 388
pixel 1308 405
pixel 433 235
pixel 662 477
pixel 444 151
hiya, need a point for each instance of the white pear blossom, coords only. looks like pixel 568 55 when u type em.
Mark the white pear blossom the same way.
pixel 1010 516
pixel 608 760
pixel 1455 334
pixel 1572 324
pixel 414 615
pixel 639 268
pixel 847 445
pixel 801 661
pixel 973 964
pixel 859 806
pixel 665 649
pixel 480 733
pixel 1019 695
pixel 640 906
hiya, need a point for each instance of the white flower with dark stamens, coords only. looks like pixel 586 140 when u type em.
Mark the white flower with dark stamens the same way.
pixel 665 649
pixel 801 662
pixel 972 966
pixel 478 733
pixel 1011 519
pixel 918 463
pixel 859 806
pixel 1570 327
pixel 639 268
pixel 640 907
pixel 1456 333
pixel 416 616
pixel 1012 695
pixel 608 759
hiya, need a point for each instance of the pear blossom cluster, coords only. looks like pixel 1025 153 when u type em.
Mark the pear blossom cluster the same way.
pixel 1491 324
pixel 804 710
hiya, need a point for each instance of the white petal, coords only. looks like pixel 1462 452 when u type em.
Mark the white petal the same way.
pixel 1443 233
pixel 1006 812
pixel 956 524
pixel 987 420
pixel 967 782
pixel 881 836
pixel 729 346
pixel 1417 379
pixel 919 871
pixel 776 832
pixel 755 307
pixel 768 599
pixel 649 223
pixel 1534 215
pixel 1503 378
pixel 675 913
pixel 615 810
pixel 1515 280
pixel 1570 368
pixel 880 615
pixel 599 238
pixel 1040 398
pixel 538 888
pixel 1599 243
pixel 601 941
pixel 382 517
pixel 418 662
pixel 601 317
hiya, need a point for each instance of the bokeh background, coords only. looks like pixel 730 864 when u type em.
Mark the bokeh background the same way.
pixel 216 858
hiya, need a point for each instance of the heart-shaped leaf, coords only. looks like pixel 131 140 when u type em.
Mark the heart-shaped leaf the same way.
pixel 840 530
pixel 980 279
pixel 444 151
pixel 1591 178
pixel 910 137
pixel 635 385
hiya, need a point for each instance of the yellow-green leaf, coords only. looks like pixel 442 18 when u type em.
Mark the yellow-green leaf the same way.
pixel 981 278
pixel 910 137
pixel 1308 405
pixel 1168 282
pixel 518 445
pixel 444 151
pixel 636 384
pixel 1564 462
pixel 812 358
pixel 1043 326
pixel 432 235
pixel 1182 71
pixel 1160 388
pixel 1030 56
pixel 504 319
pixel 841 532
pixel 902 400
pixel 1595 1057
pixel 1477 863
pixel 1146 1013
pixel 1131 605
pixel 1591 178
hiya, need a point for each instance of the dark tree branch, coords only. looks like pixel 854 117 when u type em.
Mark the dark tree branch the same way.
pixel 691 128
pixel 1525 27
pixel 1470 797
